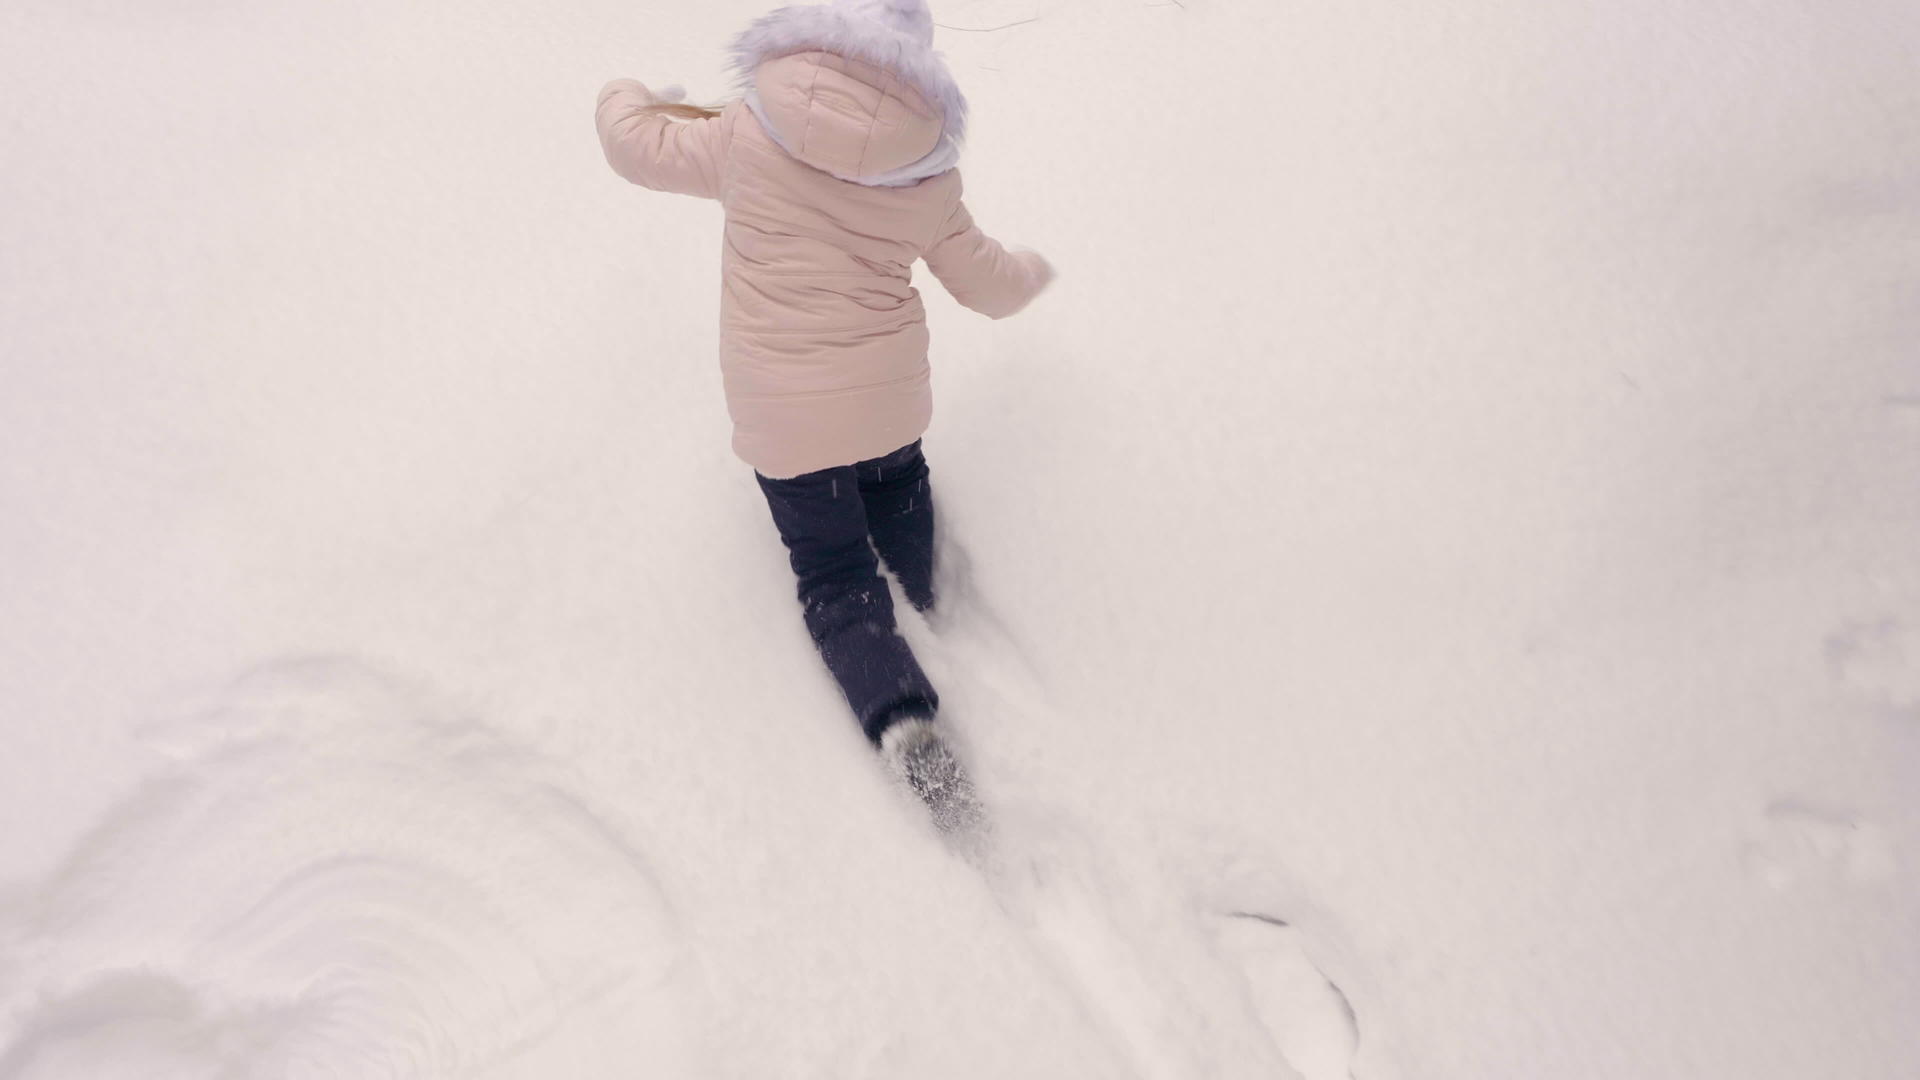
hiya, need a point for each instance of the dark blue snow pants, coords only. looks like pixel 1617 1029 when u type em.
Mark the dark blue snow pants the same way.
pixel 832 522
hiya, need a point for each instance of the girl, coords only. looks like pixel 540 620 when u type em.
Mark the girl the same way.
pixel 836 172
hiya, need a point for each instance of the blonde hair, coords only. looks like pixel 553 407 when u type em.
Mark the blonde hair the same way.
pixel 681 111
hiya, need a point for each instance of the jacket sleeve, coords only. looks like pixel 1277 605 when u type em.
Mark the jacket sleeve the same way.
pixel 980 273
pixel 656 151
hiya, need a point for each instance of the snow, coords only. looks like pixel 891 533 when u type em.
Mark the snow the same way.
pixel 1434 584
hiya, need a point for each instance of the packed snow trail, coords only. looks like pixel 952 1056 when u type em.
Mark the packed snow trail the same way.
pixel 1181 990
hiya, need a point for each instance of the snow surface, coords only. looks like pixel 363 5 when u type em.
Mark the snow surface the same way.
pixel 1451 534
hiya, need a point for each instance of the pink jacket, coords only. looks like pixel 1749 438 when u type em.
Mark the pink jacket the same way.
pixel 823 340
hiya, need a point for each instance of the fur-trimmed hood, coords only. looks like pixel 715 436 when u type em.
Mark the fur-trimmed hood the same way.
pixel 910 86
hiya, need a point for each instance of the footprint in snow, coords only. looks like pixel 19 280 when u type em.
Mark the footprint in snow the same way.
pixel 1878 660
pixel 1187 981
pixel 1798 842
pixel 1307 1015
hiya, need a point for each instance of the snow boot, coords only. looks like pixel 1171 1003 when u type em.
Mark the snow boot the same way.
pixel 915 752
